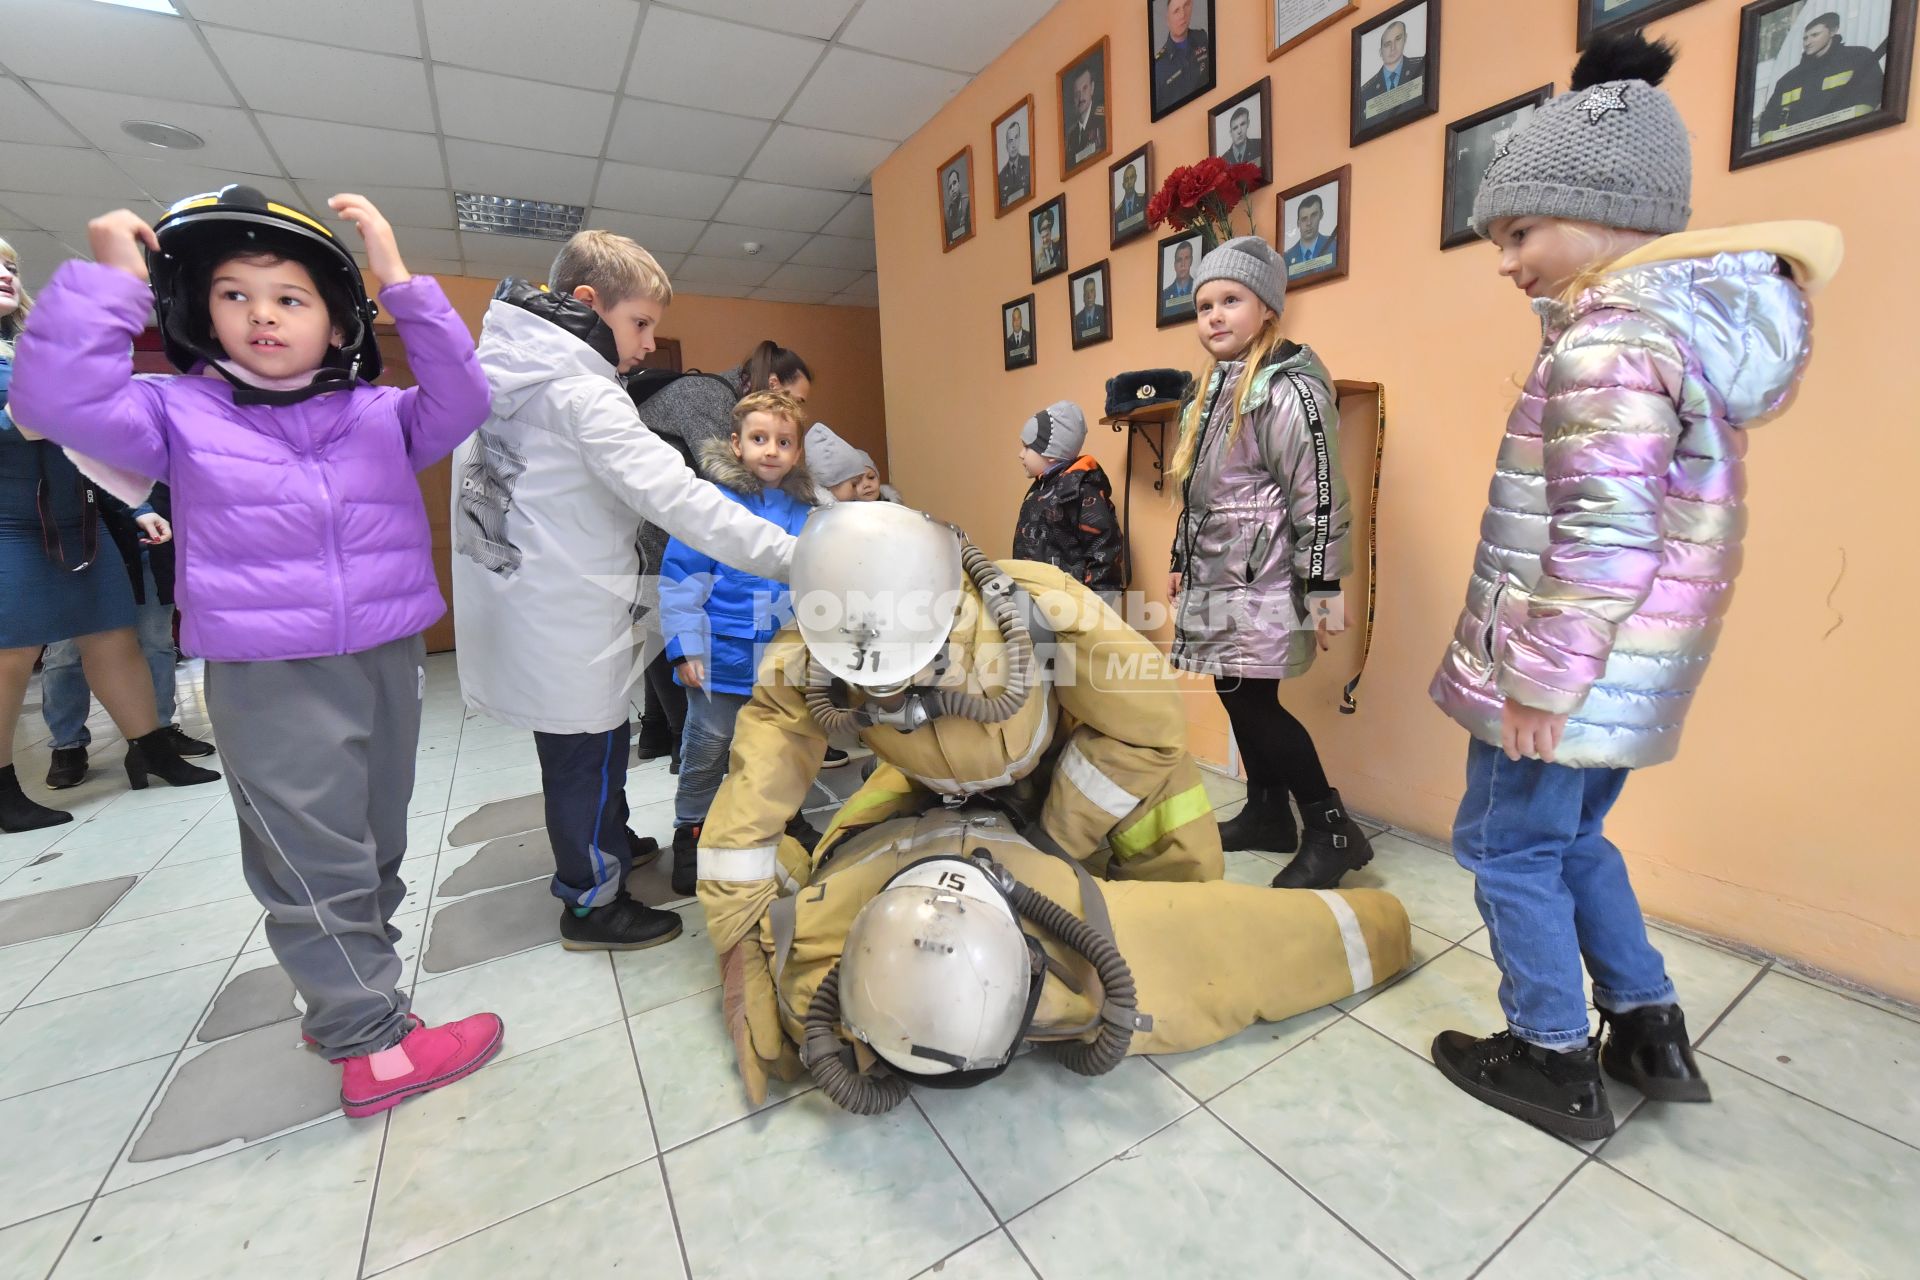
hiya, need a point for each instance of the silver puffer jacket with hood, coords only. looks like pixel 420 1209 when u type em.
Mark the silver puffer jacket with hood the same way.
pixel 1613 528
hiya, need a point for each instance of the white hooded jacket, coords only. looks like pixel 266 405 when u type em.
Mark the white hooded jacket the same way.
pixel 548 500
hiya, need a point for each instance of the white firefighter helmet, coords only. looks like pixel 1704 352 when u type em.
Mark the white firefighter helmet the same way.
pixel 876 589
pixel 936 975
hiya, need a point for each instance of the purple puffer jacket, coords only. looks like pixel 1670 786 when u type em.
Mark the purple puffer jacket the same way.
pixel 300 528
pixel 1612 532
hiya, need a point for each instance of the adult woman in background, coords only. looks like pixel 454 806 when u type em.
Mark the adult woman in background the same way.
pixel 62 578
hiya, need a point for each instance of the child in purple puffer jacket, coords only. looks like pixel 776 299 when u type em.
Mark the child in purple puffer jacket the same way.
pixel 305 577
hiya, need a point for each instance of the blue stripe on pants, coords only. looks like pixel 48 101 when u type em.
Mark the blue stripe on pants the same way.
pixel 584 780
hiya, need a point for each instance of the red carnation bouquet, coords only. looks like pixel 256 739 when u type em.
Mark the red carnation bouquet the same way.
pixel 1204 194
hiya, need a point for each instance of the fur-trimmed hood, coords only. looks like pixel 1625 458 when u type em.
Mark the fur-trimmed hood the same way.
pixel 717 461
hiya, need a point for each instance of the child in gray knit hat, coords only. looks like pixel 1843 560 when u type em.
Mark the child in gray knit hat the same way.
pixel 1067 518
pixel 1259 551
pixel 1623 460
pixel 842 472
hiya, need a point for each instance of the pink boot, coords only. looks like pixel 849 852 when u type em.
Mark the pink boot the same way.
pixel 426 1059
pixel 414 1023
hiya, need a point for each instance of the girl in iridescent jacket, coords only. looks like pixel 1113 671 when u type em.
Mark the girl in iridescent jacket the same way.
pixel 1607 556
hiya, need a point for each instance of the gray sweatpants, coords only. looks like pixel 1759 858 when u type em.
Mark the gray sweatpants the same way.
pixel 319 756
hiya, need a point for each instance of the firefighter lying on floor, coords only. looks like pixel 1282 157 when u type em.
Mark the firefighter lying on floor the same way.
pixel 930 652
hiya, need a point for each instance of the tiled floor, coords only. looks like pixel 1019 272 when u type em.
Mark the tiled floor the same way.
pixel 158 1119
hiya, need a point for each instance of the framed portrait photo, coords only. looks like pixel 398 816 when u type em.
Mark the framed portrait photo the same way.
pixel 1396 69
pixel 1084 92
pixel 1597 17
pixel 1129 187
pixel 1016 332
pixel 1179 53
pixel 1313 223
pixel 1240 130
pixel 1180 256
pixel 1472 144
pixel 1812 72
pixel 1013 157
pixel 1087 293
pixel 1292 22
pixel 956 200
pixel 1047 238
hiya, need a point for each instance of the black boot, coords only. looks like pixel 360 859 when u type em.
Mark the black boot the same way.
pixel 190 747
pixel 673 761
pixel 1559 1092
pixel 800 829
pixel 686 861
pixel 625 924
pixel 155 754
pixel 69 768
pixel 1265 824
pixel 1648 1049
pixel 1332 845
pixel 642 849
pixel 17 813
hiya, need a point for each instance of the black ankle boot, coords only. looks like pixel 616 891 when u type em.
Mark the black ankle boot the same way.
pixel 1266 823
pixel 1332 845
pixel 155 754
pixel 1648 1049
pixel 191 747
pixel 17 813
pixel 69 768
pixel 642 849
pixel 686 861
pixel 1559 1092
pixel 800 829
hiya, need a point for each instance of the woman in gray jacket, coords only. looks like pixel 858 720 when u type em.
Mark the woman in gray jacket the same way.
pixel 1259 551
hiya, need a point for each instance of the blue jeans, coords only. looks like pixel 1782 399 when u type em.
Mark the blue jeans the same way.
pixel 704 745
pixel 1554 890
pixel 65 699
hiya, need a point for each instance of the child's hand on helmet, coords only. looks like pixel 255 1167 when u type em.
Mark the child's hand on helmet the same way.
pixel 383 255
pixel 116 238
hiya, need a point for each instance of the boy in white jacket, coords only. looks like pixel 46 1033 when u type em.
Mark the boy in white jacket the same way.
pixel 550 496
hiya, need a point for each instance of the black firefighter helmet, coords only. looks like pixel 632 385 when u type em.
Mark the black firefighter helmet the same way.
pixel 202 231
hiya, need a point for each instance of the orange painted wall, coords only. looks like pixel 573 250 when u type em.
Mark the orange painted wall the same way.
pixel 840 344
pixel 1777 825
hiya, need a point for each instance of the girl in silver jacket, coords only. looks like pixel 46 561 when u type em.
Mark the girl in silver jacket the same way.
pixel 1259 551
pixel 1606 560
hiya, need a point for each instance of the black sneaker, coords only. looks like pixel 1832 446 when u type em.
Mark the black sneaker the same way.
pixel 686 861
pixel 1648 1049
pixel 642 849
pixel 835 758
pixel 69 768
pixel 184 745
pixel 625 924
pixel 1559 1092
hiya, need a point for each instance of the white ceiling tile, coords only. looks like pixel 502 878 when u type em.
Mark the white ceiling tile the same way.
pixel 436 266
pixel 666 192
pixel 379 26
pixel 855 300
pixel 669 262
pixel 415 242
pixel 866 284
pixel 109 47
pixel 74 171
pixel 712 291
pixel 964 37
pixel 765 204
pixel 67 216
pixel 39 254
pixel 813 298
pixel 810 158
pixel 517 172
pixel 698 270
pixel 724 241
pixel 24 118
pixel 864 93
pixel 670 137
pixel 657 235
pixel 341 153
pixel 819 18
pixel 402 206
pixel 702 62
pixel 829 279
pixel 170 180
pixel 854 220
pixel 512 255
pixel 577 42
pixel 291 77
pixel 836 251
pixel 521 113
pixel 232 141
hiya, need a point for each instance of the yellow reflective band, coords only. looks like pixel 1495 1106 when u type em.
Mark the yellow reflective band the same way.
pixel 1159 822
pixel 273 206
pixel 1790 97
pixel 1836 80
pixel 300 217
pixel 861 801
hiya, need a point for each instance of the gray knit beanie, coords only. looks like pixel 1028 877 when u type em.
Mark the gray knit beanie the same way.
pixel 1057 431
pixel 1252 262
pixel 832 460
pixel 1613 150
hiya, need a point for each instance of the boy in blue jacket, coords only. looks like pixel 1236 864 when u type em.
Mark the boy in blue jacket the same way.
pixel 716 619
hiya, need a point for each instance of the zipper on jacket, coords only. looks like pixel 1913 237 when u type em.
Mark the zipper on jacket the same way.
pixel 1489 632
pixel 1262 539
pixel 315 457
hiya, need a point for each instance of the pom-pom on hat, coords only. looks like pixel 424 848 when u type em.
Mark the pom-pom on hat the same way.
pixel 1612 150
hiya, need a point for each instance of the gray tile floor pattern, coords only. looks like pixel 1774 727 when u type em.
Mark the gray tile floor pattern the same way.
pixel 158 1119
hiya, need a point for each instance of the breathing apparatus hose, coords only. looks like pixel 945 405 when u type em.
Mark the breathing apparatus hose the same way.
pixel 873 1094
pixel 997 593
pixel 1104 1052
